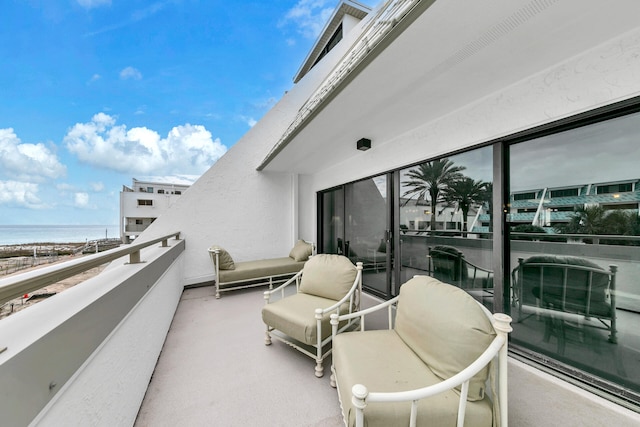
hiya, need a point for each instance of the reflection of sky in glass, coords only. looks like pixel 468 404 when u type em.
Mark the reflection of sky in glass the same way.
pixel 381 185
pixel 604 152
pixel 478 164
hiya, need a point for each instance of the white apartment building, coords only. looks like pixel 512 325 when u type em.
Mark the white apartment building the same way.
pixel 142 203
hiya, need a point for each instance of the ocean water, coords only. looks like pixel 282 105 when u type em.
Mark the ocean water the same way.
pixel 22 234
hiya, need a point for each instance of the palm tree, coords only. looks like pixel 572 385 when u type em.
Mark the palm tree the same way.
pixel 431 178
pixel 464 193
pixel 586 220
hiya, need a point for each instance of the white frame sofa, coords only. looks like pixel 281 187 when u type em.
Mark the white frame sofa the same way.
pixel 433 367
pixel 231 275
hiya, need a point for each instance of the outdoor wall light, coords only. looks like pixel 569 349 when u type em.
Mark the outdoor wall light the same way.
pixel 363 144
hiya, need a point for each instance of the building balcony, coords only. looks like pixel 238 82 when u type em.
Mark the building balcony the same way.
pixel 135 228
pixel 131 346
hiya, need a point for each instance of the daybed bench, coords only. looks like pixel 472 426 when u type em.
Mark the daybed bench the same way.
pixel 432 368
pixel 232 275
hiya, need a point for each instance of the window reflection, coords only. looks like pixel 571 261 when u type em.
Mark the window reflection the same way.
pixel 575 247
pixel 445 221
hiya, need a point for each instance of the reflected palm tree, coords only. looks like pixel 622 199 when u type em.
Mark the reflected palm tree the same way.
pixel 585 220
pixel 463 194
pixel 597 220
pixel 431 178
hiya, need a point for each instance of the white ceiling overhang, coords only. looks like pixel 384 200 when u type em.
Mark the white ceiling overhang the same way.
pixel 453 53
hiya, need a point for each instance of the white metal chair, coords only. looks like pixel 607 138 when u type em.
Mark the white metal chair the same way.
pixel 327 284
pixel 432 367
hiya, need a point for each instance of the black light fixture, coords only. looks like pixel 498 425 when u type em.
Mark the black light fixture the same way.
pixel 363 144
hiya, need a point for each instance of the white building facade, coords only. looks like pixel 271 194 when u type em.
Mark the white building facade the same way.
pixel 142 203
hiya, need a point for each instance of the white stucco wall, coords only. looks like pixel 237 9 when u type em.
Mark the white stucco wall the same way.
pixel 605 74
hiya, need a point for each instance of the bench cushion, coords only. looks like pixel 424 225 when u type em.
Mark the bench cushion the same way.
pixel 384 363
pixel 445 327
pixel 328 276
pixel 295 316
pixel 248 270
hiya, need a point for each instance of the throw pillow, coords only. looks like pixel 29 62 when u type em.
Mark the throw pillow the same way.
pixel 301 251
pixel 225 259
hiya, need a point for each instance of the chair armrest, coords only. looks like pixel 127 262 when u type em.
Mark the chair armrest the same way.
pixel 357 283
pixel 294 279
pixel 460 378
pixel 336 318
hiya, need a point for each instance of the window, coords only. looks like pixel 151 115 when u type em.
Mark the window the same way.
pixel 144 202
pixel 178 192
pixel 614 188
pixel 575 301
pixel 566 192
pixel 333 41
pixel 592 229
pixel 524 196
pixel 149 189
pixel 452 239
pixel 160 191
pixel 138 222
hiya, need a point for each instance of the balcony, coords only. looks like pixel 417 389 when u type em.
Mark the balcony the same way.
pixel 132 347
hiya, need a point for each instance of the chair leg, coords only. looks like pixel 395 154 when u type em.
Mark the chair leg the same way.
pixel 319 368
pixel 267 338
pixel 332 380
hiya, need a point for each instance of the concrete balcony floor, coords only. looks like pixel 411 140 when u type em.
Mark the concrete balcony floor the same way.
pixel 214 370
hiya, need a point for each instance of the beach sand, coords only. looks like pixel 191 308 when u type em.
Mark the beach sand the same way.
pixel 35 297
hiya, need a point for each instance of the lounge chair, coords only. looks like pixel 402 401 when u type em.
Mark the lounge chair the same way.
pixel 232 275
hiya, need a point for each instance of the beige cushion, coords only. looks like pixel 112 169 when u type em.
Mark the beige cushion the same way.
pixel 263 268
pixel 328 276
pixel 295 316
pixel 226 262
pixel 301 251
pixel 380 360
pixel 445 327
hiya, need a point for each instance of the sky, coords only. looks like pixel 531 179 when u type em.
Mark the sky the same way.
pixel 94 93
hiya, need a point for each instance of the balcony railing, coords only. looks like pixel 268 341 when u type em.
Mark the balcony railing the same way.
pixel 13 287
pixel 74 350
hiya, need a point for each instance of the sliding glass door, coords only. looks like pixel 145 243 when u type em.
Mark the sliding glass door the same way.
pixel 357 222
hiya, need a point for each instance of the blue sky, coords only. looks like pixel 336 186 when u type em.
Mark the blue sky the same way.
pixel 86 83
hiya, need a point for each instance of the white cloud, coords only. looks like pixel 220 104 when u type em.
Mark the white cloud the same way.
pixel 27 162
pixel 187 149
pixel 20 194
pixel 64 187
pixel 96 186
pixel 81 200
pixel 171 179
pixel 249 120
pixel 309 16
pixel 94 78
pixel 89 4
pixel 130 73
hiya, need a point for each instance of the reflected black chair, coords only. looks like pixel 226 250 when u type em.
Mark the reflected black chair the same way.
pixel 449 265
pixel 566 291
